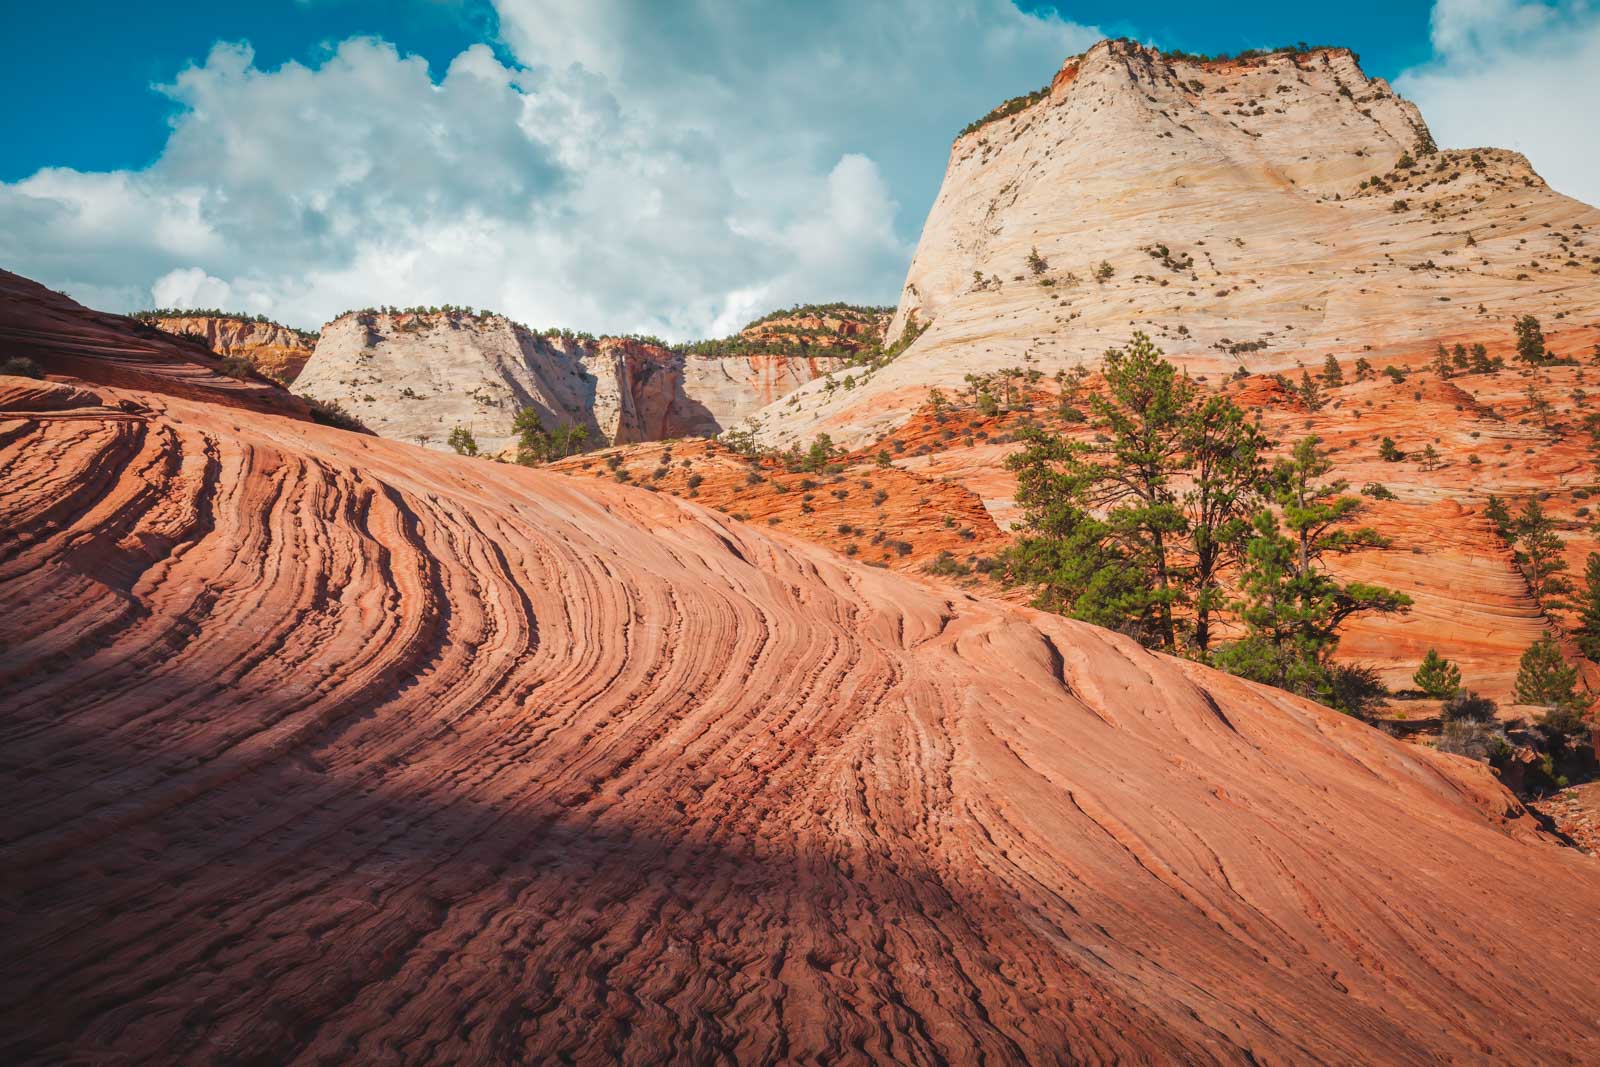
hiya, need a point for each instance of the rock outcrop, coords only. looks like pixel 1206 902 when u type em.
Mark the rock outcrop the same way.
pixel 60 336
pixel 1257 212
pixel 324 747
pixel 417 376
pixel 277 351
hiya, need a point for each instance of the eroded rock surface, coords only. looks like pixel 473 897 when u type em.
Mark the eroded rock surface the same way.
pixel 323 747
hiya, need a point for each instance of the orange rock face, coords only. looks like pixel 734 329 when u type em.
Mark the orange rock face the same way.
pixel 276 351
pixel 326 747
pixel 883 516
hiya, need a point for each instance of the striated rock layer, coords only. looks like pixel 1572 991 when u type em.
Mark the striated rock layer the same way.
pixel 415 377
pixel 321 748
pixel 61 336
pixel 276 351
pixel 1264 212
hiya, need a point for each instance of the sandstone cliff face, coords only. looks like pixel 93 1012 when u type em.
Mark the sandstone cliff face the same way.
pixel 274 350
pixel 323 746
pixel 1235 204
pixel 415 377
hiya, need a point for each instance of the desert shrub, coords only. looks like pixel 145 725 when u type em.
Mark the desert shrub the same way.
pixel 332 413
pixel 1354 689
pixel 237 367
pixel 1467 707
pixel 1474 740
pixel 21 367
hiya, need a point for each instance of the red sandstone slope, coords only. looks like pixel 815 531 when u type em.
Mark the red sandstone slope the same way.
pixel 324 748
pixel 64 337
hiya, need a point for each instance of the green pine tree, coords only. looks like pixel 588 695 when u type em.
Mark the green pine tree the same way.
pixel 1437 676
pixel 1539 552
pixel 1144 519
pixel 1589 609
pixel 1331 372
pixel 1530 341
pixel 1292 608
pixel 1545 678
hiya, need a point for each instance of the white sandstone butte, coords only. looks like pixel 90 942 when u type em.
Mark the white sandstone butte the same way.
pixel 1253 212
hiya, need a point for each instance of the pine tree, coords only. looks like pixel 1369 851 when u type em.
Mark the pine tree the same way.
pixel 533 441
pixel 1437 676
pixel 1441 361
pixel 1481 363
pixel 1310 392
pixel 1332 373
pixel 1545 678
pixel 1388 452
pixel 1222 456
pixel 1495 511
pixel 1141 521
pixel 1589 609
pixel 1126 475
pixel 1364 369
pixel 463 442
pixel 1538 551
pixel 1292 607
pixel 1530 341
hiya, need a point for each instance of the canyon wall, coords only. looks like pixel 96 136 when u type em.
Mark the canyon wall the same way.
pixel 417 376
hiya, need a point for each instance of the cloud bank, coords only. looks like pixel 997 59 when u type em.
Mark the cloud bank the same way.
pixel 633 166
pixel 1517 74
pixel 627 165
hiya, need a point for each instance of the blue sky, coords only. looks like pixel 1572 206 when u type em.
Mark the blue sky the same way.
pixel 102 112
pixel 616 164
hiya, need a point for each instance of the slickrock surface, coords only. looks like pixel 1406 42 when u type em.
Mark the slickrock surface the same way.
pixel 1249 177
pixel 64 337
pixel 276 351
pixel 415 377
pixel 321 748
pixel 884 516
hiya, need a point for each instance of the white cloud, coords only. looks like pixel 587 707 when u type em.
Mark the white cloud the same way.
pixel 1517 74
pixel 664 168
pixel 191 287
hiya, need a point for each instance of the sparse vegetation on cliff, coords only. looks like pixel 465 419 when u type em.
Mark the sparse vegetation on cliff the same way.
pixel 152 315
pixel 1005 110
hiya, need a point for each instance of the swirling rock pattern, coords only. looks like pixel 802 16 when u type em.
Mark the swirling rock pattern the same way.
pixel 320 748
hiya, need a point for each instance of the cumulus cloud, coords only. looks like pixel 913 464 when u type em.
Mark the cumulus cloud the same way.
pixel 671 169
pixel 1517 74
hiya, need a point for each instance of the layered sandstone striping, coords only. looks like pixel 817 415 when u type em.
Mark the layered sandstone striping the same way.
pixel 276 351
pixel 323 747
pixel 63 337
pixel 417 376
pixel 1250 212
